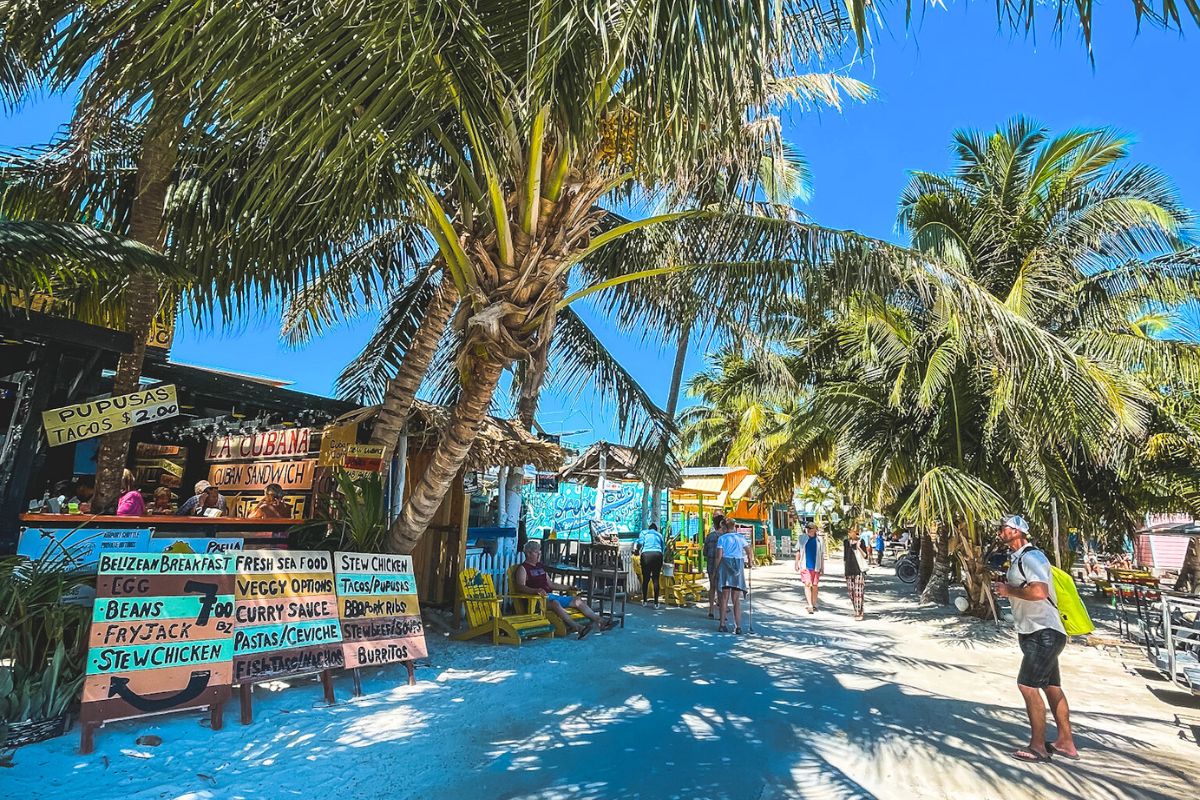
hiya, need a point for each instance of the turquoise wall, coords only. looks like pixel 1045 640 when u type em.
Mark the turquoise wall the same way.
pixel 567 511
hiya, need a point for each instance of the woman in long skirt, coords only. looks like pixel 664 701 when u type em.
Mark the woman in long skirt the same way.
pixel 856 556
pixel 733 552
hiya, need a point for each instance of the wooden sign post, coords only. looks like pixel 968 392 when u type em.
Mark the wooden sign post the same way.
pixel 161 638
pixel 381 620
pixel 286 620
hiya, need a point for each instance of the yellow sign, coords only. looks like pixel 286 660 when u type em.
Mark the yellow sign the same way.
pixel 334 441
pixel 89 420
pixel 162 329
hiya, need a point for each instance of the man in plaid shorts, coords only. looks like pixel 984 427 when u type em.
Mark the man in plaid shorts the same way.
pixel 1029 586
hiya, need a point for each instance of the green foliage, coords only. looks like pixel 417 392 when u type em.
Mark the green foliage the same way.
pixel 42 640
pixel 1044 358
pixel 355 521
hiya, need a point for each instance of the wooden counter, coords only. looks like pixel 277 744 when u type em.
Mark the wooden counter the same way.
pixel 157 520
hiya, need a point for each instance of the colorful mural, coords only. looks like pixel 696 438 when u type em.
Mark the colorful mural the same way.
pixel 568 510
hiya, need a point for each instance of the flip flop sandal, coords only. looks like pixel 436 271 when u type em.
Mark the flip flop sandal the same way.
pixel 1029 756
pixel 722 629
pixel 584 631
pixel 738 631
pixel 1055 751
pixel 710 616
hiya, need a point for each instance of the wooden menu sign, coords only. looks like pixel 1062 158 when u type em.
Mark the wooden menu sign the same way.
pixel 377 600
pixel 285 615
pixel 161 637
pixel 290 475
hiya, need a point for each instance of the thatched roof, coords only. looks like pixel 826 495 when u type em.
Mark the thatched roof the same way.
pixel 620 464
pixel 500 442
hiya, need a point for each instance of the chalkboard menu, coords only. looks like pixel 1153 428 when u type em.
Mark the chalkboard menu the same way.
pixel 286 615
pixel 161 636
pixel 377 602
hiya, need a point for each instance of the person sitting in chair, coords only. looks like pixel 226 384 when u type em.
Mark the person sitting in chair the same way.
pixel 531 578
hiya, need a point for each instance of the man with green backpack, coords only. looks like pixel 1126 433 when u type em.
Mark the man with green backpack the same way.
pixel 1030 587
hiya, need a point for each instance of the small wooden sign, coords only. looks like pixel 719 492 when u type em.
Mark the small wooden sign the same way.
pixel 377 600
pixel 290 475
pixel 89 420
pixel 161 637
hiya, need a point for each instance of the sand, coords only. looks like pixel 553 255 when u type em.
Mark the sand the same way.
pixel 911 703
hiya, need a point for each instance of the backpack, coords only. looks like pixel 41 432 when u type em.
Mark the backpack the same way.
pixel 1070 605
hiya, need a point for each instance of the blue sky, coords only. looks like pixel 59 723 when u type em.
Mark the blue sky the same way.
pixel 954 70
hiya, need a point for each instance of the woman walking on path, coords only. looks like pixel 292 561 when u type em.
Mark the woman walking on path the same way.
pixel 733 551
pixel 710 561
pixel 650 547
pixel 812 553
pixel 856 555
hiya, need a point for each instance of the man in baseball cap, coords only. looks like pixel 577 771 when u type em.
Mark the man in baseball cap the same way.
pixel 206 497
pixel 1029 586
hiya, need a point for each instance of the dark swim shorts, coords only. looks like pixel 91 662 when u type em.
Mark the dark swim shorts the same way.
pixel 1039 667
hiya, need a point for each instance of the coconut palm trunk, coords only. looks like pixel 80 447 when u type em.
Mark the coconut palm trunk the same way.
pixel 478 385
pixel 974 574
pixel 160 151
pixel 401 391
pixel 938 588
pixel 527 404
pixel 928 551
pixel 1189 574
pixel 672 405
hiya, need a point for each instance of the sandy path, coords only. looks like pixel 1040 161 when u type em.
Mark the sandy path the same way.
pixel 910 704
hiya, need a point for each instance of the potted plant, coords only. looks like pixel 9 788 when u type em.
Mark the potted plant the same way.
pixel 669 551
pixel 42 650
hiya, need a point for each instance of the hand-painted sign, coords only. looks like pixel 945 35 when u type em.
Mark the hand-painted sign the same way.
pixel 546 482
pixel 362 459
pixel 294 475
pixel 377 601
pixel 79 549
pixel 240 505
pixel 194 544
pixel 88 420
pixel 161 636
pixel 287 443
pixel 286 615
pixel 334 441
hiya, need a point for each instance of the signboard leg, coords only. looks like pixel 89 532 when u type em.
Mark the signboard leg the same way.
pixel 412 674
pixel 245 700
pixel 217 718
pixel 357 676
pixel 87 738
pixel 327 684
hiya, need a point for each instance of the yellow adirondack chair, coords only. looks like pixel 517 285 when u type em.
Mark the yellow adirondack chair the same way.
pixel 526 603
pixel 478 596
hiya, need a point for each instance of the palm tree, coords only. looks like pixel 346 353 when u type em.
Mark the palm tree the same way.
pixel 918 413
pixel 494 128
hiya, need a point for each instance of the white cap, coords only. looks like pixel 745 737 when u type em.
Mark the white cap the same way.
pixel 202 486
pixel 1017 522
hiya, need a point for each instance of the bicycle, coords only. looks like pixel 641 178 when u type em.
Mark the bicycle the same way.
pixel 908 568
